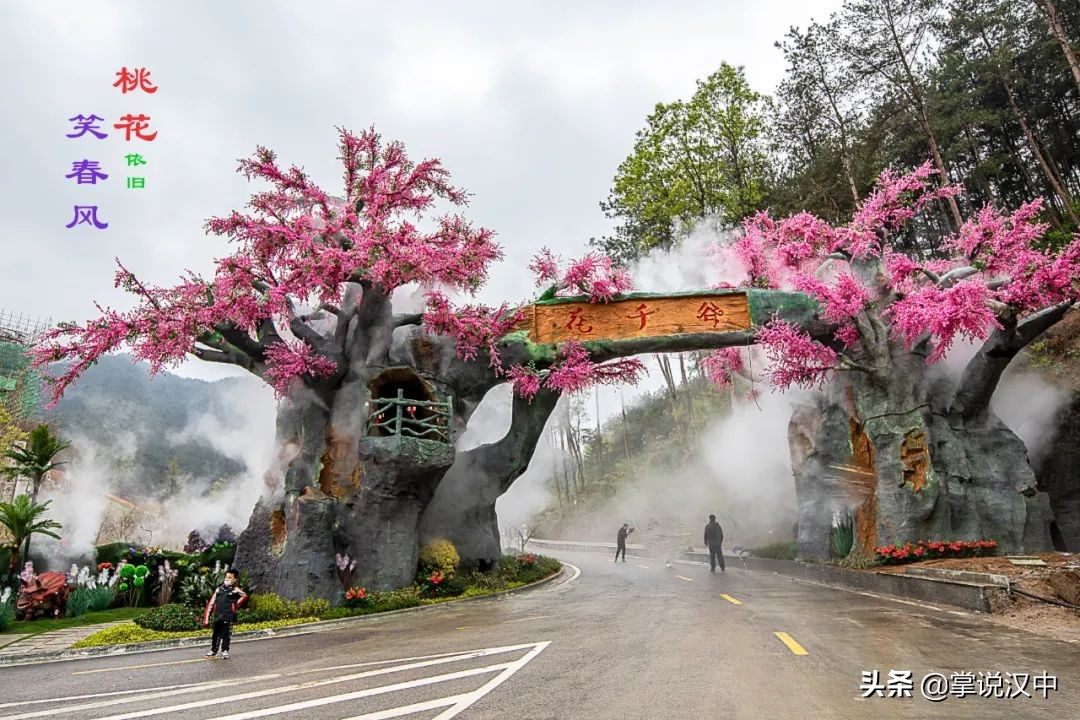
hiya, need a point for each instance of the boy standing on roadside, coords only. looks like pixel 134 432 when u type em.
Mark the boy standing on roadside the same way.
pixel 223 605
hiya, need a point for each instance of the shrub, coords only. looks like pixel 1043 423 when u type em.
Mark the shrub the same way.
pixel 856 561
pixel 7 608
pixel 225 535
pixel 439 585
pixel 271 606
pixel 79 602
pixel 132 633
pixel 777 550
pixel 438 555
pixel 842 535
pixel 224 553
pixel 171 617
pixel 102 596
pixel 246 615
pixel 386 600
pixel 196 543
pixel 342 612
pixel 525 569
pixel 200 584
pixel 923 550
pixel 311 607
pixel 356 597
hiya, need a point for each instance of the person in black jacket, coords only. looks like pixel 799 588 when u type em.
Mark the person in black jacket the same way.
pixel 620 541
pixel 224 603
pixel 714 540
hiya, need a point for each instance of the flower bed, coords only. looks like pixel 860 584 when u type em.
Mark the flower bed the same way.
pixel 268 610
pixel 132 633
pixel 923 550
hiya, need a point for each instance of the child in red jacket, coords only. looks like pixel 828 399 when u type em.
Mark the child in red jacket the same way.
pixel 223 604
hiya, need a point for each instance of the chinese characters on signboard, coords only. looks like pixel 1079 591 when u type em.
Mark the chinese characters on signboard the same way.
pixel 637 317
pixel 88 130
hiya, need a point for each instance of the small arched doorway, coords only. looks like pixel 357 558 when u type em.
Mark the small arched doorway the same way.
pixel 402 403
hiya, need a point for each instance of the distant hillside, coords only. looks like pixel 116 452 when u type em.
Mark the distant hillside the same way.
pixel 140 424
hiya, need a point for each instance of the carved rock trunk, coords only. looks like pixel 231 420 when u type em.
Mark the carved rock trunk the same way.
pixel 347 486
pixel 908 468
pixel 463 508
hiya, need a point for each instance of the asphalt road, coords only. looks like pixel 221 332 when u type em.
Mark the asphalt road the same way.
pixel 629 640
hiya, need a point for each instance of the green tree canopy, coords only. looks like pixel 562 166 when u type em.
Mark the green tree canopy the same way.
pixel 693 159
pixel 36 459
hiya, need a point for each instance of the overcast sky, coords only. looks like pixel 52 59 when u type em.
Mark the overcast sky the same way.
pixel 530 105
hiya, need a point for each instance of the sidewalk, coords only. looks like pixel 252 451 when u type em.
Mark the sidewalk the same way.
pixel 52 641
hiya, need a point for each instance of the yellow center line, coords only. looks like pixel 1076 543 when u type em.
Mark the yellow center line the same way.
pixel 135 667
pixel 730 599
pixel 463 627
pixel 682 577
pixel 793 646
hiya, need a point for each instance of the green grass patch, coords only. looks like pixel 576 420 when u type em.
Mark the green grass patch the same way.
pixel 36 627
pixel 132 633
pixel 776 550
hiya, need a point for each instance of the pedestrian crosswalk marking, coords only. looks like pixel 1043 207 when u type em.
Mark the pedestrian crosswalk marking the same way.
pixel 454 704
pixel 793 646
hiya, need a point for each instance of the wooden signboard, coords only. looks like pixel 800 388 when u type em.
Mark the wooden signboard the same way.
pixel 636 317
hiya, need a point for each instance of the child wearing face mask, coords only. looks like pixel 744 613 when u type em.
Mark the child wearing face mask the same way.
pixel 223 605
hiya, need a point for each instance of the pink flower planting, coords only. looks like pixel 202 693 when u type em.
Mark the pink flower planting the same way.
pixel 526 381
pixel 545 265
pixel 797 359
pixel 575 372
pixel 960 310
pixel 843 300
pixel 593 275
pixel 721 366
pixel 473 327
pixel 287 361
pixel 296 245
pixel 998 269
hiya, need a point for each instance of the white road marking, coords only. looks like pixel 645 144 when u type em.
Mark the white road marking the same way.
pixel 135 667
pixel 493 682
pixel 535 617
pixel 577 573
pixel 261 693
pixel 644 566
pixel 184 690
pixel 458 703
pixel 114 693
pixel 683 577
pixel 356 695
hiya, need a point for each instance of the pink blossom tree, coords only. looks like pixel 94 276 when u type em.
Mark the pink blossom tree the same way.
pixel 303 301
pixel 942 464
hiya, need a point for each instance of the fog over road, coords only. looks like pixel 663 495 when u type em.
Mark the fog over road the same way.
pixel 628 640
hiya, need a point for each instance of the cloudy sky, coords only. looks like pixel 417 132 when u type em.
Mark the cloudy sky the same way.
pixel 531 106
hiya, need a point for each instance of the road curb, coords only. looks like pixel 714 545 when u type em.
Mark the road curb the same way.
pixel 963 591
pixel 598 547
pixel 301 629
pixel 970 591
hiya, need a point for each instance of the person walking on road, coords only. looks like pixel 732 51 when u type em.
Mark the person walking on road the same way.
pixel 714 540
pixel 223 605
pixel 620 541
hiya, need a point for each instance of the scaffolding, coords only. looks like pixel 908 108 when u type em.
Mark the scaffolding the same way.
pixel 19 383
